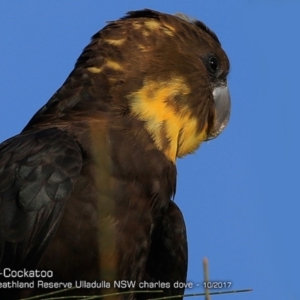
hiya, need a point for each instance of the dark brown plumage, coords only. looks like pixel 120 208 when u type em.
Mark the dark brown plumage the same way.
pixel 86 188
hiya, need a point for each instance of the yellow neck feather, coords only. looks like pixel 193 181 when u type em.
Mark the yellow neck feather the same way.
pixel 171 124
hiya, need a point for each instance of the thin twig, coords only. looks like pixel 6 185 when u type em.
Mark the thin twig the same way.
pixel 206 278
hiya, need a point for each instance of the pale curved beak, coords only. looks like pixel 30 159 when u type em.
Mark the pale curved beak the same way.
pixel 222 110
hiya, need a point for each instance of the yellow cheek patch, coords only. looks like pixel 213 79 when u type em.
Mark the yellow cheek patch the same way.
pixel 191 139
pixel 154 104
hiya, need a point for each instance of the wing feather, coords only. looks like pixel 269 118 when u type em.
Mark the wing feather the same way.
pixel 38 171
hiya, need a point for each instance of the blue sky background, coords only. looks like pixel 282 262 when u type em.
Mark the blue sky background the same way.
pixel 239 193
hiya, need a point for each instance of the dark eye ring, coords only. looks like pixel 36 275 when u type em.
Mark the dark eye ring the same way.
pixel 213 64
